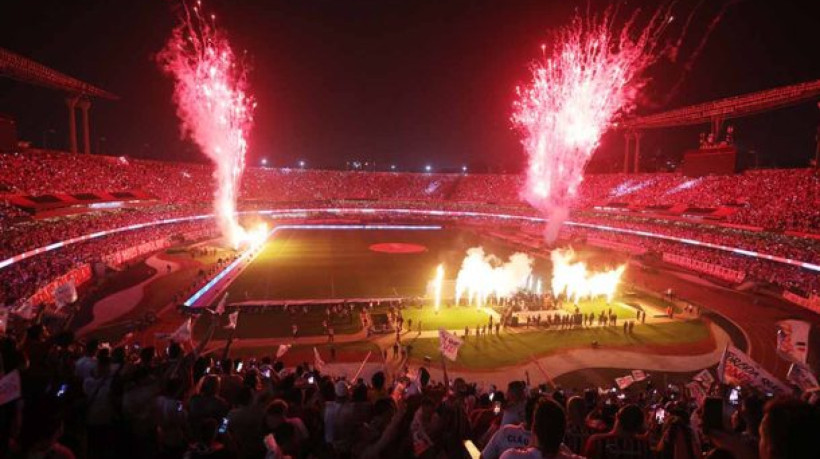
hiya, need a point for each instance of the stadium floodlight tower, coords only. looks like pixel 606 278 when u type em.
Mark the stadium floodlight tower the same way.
pixel 79 93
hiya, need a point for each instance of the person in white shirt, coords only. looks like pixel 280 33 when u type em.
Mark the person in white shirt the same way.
pixel 514 409
pixel 510 436
pixel 548 427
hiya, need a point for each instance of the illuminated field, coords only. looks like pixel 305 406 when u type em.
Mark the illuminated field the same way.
pixel 302 264
pixel 491 352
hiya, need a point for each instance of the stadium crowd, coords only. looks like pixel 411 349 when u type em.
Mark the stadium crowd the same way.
pixel 23 278
pixel 754 198
pixel 89 400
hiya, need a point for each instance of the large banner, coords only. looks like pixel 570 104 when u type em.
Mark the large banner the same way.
pixel 738 369
pixel 117 259
pixel 45 295
pixel 615 245
pixel 802 377
pixel 729 275
pixel 449 344
pixel 793 340
pixel 811 303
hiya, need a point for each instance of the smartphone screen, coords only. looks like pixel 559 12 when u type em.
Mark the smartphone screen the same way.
pixel 734 396
pixel 712 414
pixel 660 415
pixel 223 427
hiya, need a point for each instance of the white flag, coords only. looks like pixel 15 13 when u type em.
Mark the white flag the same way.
pixel 9 387
pixel 624 382
pixel 696 391
pixel 802 377
pixel 220 307
pixel 65 294
pixel 793 340
pixel 449 344
pixel 232 318
pixel 738 369
pixel 25 311
pixel 705 378
pixel 283 348
pixel 318 363
pixel 183 333
pixel 4 319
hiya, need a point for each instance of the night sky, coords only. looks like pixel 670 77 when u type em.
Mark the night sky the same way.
pixel 408 82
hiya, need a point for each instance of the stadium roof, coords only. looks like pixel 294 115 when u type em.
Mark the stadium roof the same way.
pixel 20 68
pixel 731 107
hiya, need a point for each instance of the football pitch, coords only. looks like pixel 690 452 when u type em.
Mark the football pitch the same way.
pixel 317 264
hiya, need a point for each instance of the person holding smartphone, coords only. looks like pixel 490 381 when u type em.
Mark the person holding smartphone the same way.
pixel 510 435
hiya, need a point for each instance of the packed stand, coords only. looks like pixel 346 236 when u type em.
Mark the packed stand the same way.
pixel 21 279
pixel 90 400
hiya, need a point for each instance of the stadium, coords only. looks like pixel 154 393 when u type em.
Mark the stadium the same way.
pixel 223 307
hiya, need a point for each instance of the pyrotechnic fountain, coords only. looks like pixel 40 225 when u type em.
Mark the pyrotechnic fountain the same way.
pixel 213 105
pixel 576 282
pixel 484 275
pixel 592 74
pixel 437 283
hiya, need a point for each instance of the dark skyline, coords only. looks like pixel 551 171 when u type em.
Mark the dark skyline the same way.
pixel 399 82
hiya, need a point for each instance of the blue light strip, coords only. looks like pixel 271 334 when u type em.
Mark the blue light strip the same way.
pixel 207 287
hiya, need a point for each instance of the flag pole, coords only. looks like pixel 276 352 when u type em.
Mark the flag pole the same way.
pixel 361 367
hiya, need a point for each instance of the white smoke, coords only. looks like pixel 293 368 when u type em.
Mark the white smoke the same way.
pixel 483 275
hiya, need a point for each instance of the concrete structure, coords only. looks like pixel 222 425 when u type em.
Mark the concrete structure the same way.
pixel 71 102
pixel 634 138
pixel 84 105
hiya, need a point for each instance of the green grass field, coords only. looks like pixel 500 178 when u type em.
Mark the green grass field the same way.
pixel 514 348
pixel 453 318
pixel 277 323
pixel 456 318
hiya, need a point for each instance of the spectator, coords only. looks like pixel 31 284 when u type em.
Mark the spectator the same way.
pixel 624 440
pixel 548 429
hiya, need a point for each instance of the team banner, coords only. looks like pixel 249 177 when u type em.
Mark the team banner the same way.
pixel 802 377
pixel 9 387
pixel 624 382
pixel 449 344
pixel 793 340
pixel 738 369
pixel 696 391
pixel 705 378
